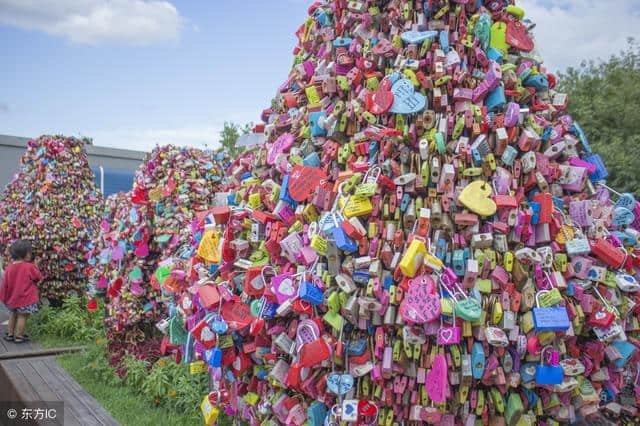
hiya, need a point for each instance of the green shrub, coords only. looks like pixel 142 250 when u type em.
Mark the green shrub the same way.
pixel 71 322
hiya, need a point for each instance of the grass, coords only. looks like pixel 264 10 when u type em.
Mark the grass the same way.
pixel 122 402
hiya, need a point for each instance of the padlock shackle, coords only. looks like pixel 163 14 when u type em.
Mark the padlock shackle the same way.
pixel 605 301
pixel 542 353
pixel 599 183
pixel 370 173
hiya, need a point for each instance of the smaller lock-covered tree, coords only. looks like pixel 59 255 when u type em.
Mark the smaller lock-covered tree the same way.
pixel 53 202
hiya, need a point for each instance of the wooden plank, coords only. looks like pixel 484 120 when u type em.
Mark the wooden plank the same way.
pixel 18 387
pixel 83 398
pixel 40 352
pixel 42 379
pixel 42 367
pixel 87 412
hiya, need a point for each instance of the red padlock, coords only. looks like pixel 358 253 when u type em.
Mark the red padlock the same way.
pixel 609 254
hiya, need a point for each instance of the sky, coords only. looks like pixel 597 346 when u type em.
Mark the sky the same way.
pixel 135 73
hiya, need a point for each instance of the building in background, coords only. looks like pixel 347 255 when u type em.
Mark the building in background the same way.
pixel 113 168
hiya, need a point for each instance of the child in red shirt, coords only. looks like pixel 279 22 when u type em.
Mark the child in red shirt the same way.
pixel 19 291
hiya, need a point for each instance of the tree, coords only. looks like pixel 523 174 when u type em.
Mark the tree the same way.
pixel 604 97
pixel 230 134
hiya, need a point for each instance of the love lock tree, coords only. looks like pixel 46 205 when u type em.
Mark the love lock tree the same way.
pixel 426 236
pixel 53 202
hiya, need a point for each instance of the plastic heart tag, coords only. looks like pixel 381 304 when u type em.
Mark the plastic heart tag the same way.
pixel 468 309
pixel 303 181
pixel 282 144
pixel 340 384
pixel 220 326
pixel 421 304
pixel 142 250
pixel 283 287
pixel 405 99
pixel 517 36
pixel 437 379
pixel 622 216
pixel 381 100
pixel 206 335
pixel 475 197
pixel 627 201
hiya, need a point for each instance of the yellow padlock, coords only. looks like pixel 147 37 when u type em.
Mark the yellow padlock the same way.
pixel 310 213
pixel 358 205
pixel 446 306
pixel 319 244
pixel 312 94
pixel 526 322
pixel 496 314
pixel 254 201
pixel 209 412
pixel 484 285
pixel 508 261
pixel 413 258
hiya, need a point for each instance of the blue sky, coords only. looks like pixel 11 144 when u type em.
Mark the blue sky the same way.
pixel 133 73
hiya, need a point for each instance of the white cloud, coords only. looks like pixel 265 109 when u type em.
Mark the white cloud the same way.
pixel 146 139
pixel 137 22
pixel 569 31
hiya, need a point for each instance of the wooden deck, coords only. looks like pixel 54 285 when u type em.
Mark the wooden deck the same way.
pixel 26 376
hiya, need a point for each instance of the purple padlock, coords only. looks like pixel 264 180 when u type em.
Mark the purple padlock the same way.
pixel 512 114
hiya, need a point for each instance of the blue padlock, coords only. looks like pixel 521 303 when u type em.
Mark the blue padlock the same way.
pixel 387 281
pixel 550 318
pixel 558 203
pixel 284 192
pixel 444 40
pixel 548 374
pixel 477 360
pixel 356 347
pixel 535 208
pixel 312 160
pixel 601 172
pixel 342 240
pixel 527 372
pixel 404 203
pixel 314 123
pixel 626 349
pixel 577 130
pixel 316 413
pixel 374 149
pixel 441 249
pixel 538 81
pixel 342 42
pixel 321 17
pixel 361 277
pixel 214 357
pixel 310 293
pixel 532 396
pixel 496 99
pixel 494 54
pixel 509 155
pixel 458 262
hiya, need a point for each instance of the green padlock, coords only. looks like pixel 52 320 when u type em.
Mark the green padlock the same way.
pixel 468 309
pixel 514 408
